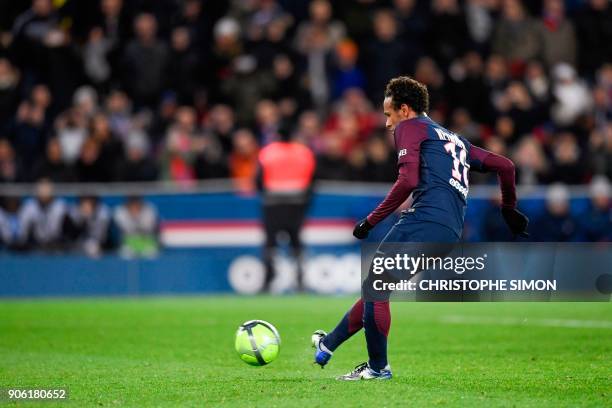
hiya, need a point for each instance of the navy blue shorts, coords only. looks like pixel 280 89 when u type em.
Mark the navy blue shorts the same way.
pixel 408 229
pixel 412 237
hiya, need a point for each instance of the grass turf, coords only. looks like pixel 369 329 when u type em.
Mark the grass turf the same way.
pixel 179 351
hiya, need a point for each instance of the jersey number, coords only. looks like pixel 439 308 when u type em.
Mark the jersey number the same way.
pixel 460 167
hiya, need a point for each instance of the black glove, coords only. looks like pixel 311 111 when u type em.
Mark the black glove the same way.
pixel 516 220
pixel 362 229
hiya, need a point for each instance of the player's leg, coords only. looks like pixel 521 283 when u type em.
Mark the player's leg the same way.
pixel 295 221
pixel 325 344
pixel 350 324
pixel 271 230
pixel 377 322
pixel 377 313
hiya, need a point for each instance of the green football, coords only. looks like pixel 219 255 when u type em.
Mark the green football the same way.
pixel 257 342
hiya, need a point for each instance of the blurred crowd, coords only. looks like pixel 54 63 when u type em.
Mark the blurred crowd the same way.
pixel 560 220
pixel 185 90
pixel 180 90
pixel 84 225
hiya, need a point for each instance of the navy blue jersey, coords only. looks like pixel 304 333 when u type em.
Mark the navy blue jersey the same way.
pixel 443 156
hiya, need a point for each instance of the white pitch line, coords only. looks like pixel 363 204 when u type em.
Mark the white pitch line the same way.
pixel 515 321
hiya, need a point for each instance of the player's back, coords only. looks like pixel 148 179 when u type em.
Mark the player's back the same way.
pixel 443 172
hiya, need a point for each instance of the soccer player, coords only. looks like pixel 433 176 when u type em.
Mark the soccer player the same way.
pixel 434 164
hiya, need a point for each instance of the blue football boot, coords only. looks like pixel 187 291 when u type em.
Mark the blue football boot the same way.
pixel 322 354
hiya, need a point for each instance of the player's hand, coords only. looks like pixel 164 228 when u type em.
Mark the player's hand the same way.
pixel 362 229
pixel 516 220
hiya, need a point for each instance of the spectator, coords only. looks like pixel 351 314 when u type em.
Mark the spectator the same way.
pixel 53 166
pixel 556 29
pixel 71 129
pixel 346 74
pixel 381 162
pixel 517 104
pixel 344 127
pixel 118 108
pixel 89 167
pixel 567 167
pixel 496 80
pixel 138 164
pixel 429 73
pixel 30 129
pixel 384 55
pixel 273 43
pixel 43 219
pixel 266 14
pixel 30 32
pixel 145 60
pixel 538 83
pixel 227 46
pixel 196 22
pixel 556 224
pixel 111 149
pixel 9 96
pixel 517 37
pixel 494 227
pixel 95 58
pixel 330 162
pixel 288 92
pixel 462 123
pixel 113 21
pixel 320 12
pixel 267 116
pixel 596 224
pixel 468 88
pixel 183 65
pixel 10 170
pixel 594 34
pixel 178 150
pixel 210 161
pixel 89 225
pixel 246 86
pixel 316 51
pixel 10 223
pixel 138 225
pixel 571 95
pixel 413 25
pixel 480 21
pixel 600 151
pixel 309 130
pixel 357 162
pixel 531 163
pixel 448 33
pixel 243 159
pixel 602 97
pixel 221 125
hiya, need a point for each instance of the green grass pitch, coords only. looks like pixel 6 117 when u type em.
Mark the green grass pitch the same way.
pixel 179 352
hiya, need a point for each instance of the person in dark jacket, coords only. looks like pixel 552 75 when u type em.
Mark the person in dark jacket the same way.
pixel 556 224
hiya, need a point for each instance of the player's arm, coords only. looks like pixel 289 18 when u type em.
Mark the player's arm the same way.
pixel 485 161
pixel 408 138
pixel 407 180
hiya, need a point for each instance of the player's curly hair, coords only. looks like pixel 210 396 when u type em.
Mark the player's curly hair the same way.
pixel 406 90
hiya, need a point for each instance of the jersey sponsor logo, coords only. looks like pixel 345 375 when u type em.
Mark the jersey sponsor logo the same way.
pixel 450 136
pixel 401 153
pixel 458 187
